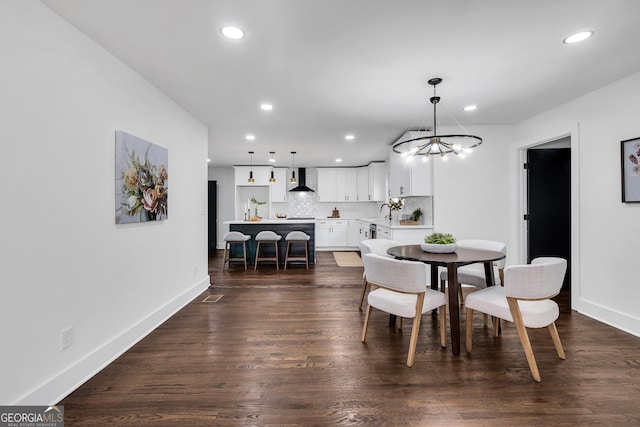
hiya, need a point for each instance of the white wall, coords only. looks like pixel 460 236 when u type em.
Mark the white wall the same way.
pixel 64 261
pixel 470 195
pixel 605 241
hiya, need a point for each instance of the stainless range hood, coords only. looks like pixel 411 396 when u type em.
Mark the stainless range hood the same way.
pixel 302 181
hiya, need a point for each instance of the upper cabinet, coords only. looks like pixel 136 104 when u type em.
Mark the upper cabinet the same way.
pixel 409 176
pixel 378 172
pixel 337 184
pixel 279 188
pixel 361 184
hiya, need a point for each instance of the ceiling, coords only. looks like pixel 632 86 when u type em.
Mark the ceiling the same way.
pixel 359 66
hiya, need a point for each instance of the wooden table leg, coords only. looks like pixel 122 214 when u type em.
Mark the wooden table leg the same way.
pixel 454 308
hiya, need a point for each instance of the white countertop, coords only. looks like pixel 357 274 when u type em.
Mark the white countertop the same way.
pixel 385 223
pixel 273 221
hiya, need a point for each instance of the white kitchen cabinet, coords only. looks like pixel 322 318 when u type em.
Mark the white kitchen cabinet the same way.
pixel 332 233
pixel 279 188
pixel 363 184
pixel 327 185
pixel 261 175
pixel 347 181
pixel 408 175
pixel 337 184
pixel 377 175
pixel 353 233
pixel 408 235
pixel 364 230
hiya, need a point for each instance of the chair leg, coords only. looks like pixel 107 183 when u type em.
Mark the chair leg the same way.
pixel 364 291
pixel 443 325
pixel 415 329
pixel 556 340
pixel 496 326
pixel 225 260
pixel 485 319
pixel 460 294
pixel 277 258
pixel 255 267
pixel 469 338
pixel 244 253
pixel 306 254
pixel 286 255
pixel 524 338
pixel 366 323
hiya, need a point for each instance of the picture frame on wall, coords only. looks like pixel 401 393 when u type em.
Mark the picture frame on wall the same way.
pixel 630 165
pixel 142 180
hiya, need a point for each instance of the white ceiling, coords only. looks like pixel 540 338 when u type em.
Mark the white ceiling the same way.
pixel 333 67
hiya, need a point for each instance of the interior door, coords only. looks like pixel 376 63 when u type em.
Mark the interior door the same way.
pixel 213 215
pixel 549 205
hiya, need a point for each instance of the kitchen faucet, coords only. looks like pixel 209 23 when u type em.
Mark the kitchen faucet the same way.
pixel 389 206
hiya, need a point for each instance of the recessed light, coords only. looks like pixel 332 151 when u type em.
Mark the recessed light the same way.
pixel 470 108
pixel 231 32
pixel 578 37
pixel 266 107
pixel 338 160
pixel 208 160
pixel 250 137
pixel 349 137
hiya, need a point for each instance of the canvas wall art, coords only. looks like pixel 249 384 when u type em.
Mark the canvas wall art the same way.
pixel 142 180
pixel 630 153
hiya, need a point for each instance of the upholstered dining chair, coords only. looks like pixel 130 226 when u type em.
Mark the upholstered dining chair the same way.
pixel 473 274
pixel 373 246
pixel 398 288
pixel 525 300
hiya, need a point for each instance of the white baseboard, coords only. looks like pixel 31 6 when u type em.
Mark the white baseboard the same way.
pixel 616 319
pixel 62 384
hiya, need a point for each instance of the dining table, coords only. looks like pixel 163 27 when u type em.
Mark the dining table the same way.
pixel 451 261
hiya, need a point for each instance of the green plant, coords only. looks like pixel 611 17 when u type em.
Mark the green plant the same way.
pixel 440 239
pixel 415 215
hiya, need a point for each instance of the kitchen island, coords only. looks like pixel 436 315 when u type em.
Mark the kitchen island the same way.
pixel 281 227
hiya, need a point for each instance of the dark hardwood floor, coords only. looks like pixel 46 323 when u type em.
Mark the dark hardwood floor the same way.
pixel 282 348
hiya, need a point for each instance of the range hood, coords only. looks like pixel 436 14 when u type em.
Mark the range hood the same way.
pixel 302 181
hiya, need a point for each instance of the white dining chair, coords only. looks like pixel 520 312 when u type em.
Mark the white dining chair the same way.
pixel 473 274
pixel 398 288
pixel 525 300
pixel 373 246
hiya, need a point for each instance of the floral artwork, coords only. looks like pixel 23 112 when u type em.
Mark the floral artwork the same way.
pixel 142 180
pixel 631 170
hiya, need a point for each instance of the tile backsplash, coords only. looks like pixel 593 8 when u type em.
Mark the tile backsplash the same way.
pixel 306 205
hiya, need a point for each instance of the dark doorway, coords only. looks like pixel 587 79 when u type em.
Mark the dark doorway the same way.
pixel 213 215
pixel 549 205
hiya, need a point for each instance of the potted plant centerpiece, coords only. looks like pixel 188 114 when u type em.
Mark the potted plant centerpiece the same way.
pixel 439 243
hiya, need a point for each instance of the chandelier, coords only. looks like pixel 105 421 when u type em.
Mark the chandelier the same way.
pixel 437 144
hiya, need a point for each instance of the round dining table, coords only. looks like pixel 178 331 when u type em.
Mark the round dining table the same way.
pixel 451 261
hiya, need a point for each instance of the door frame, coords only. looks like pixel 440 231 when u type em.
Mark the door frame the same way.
pixel 521 183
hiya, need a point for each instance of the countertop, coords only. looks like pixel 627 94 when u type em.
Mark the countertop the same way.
pixel 378 221
pixel 385 223
pixel 273 221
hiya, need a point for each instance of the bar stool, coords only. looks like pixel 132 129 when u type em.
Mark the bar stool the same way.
pixel 235 237
pixel 293 238
pixel 267 237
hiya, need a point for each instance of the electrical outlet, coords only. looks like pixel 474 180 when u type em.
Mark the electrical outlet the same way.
pixel 66 338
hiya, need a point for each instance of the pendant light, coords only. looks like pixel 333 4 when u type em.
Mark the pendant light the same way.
pixel 437 144
pixel 272 159
pixel 251 180
pixel 293 179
